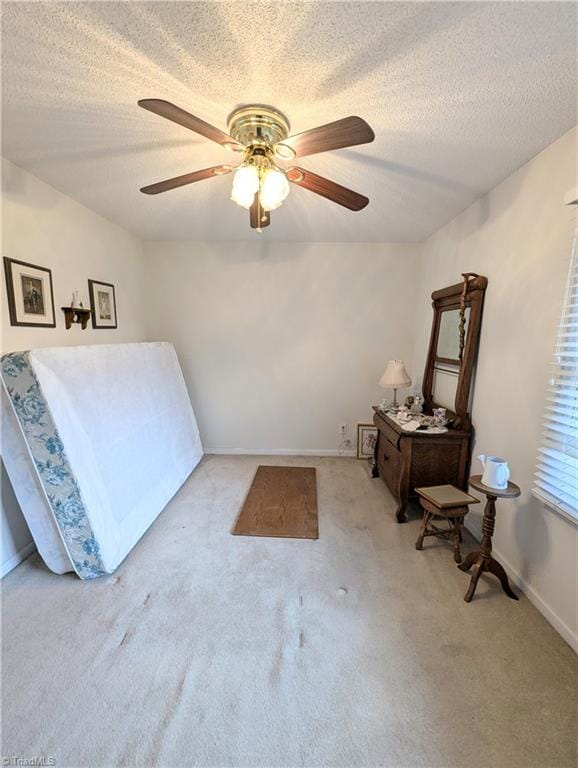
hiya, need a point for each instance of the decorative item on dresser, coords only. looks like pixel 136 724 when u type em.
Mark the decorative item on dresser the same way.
pixel 407 455
pixel 394 377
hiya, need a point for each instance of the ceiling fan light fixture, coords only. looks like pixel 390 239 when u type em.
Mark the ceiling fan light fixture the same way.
pixel 233 146
pixel 274 189
pixel 262 133
pixel 245 184
pixel 243 198
pixel 284 151
pixel 295 174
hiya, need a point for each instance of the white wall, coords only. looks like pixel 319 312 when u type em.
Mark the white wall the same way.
pixel 281 342
pixel 43 226
pixel 519 237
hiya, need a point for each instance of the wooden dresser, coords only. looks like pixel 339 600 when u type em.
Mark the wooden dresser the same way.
pixel 408 460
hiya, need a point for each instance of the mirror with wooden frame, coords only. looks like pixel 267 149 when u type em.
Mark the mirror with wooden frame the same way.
pixel 453 348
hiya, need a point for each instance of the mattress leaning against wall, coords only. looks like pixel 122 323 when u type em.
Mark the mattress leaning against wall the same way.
pixel 96 441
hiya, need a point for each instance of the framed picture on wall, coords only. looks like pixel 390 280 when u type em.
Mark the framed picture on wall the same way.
pixel 366 439
pixel 102 304
pixel 30 294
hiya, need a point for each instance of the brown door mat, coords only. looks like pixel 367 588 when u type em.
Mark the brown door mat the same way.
pixel 282 501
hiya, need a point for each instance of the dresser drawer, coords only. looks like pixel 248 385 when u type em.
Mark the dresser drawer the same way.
pixel 386 431
pixel 389 463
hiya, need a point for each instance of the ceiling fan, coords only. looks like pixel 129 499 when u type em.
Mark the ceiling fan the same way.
pixel 261 135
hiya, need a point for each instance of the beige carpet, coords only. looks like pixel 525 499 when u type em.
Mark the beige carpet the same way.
pixel 207 649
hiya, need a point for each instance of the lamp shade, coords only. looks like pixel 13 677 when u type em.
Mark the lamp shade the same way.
pixel 245 184
pixel 274 189
pixel 395 376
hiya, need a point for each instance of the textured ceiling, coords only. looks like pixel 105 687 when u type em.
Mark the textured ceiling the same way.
pixel 459 95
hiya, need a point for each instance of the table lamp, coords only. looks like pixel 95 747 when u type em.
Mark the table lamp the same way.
pixel 394 377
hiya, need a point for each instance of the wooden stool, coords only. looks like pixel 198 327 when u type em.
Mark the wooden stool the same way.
pixel 444 501
pixel 482 560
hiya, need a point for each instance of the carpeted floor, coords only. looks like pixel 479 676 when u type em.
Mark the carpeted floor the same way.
pixel 207 649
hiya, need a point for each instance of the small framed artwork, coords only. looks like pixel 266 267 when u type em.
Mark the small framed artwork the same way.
pixel 366 440
pixel 30 294
pixel 102 304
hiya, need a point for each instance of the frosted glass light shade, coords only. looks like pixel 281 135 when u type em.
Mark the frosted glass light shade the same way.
pixel 243 198
pixel 395 376
pixel 274 189
pixel 245 184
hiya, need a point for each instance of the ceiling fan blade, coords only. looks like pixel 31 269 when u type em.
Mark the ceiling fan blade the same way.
pixel 342 133
pixel 326 188
pixel 177 115
pixel 187 178
pixel 257 216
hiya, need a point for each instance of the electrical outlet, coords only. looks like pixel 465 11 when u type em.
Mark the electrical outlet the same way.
pixel 343 429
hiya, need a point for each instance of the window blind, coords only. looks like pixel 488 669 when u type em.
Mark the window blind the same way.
pixel 556 477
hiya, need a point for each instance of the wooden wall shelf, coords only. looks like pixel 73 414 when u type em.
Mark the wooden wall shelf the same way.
pixel 76 315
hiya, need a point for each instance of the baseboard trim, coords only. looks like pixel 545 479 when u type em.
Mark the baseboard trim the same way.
pixel 281 452
pixel 474 528
pixel 552 618
pixel 560 626
pixel 16 559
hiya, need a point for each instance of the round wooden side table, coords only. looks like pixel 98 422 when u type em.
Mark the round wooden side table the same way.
pixel 482 560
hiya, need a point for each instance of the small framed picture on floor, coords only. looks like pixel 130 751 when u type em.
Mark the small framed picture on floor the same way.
pixel 366 440
pixel 102 304
pixel 30 294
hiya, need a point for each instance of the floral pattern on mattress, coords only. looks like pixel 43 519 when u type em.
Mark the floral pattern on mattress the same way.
pixel 53 469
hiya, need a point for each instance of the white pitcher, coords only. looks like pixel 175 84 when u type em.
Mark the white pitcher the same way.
pixel 496 472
